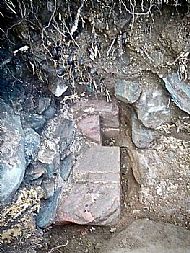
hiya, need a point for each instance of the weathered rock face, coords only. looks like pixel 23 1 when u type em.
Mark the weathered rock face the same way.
pixel 12 160
pixel 142 137
pixel 31 144
pixel 146 236
pixel 162 172
pixel 55 158
pixel 57 84
pixel 128 91
pixel 152 106
pixel 47 211
pixel 87 66
pixel 94 195
pixel 179 91
pixel 56 138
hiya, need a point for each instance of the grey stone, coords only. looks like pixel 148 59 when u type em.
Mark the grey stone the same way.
pixel 35 121
pixel 66 167
pixel 35 171
pixel 12 160
pixel 48 208
pixel 67 133
pixel 50 112
pixel 153 105
pixel 96 176
pixel 127 90
pixel 59 88
pixel 146 236
pixel 142 137
pixel 179 90
pixel 48 187
pixel 31 144
pixel 43 104
pixel 55 144
pixel 162 171
pixel 52 169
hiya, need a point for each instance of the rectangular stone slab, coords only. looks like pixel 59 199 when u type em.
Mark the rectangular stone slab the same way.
pixel 94 196
pixel 98 164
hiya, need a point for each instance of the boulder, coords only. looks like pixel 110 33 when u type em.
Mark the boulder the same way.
pixel 179 91
pixel 153 105
pixel 142 137
pixel 31 144
pixel 12 159
pixel 127 90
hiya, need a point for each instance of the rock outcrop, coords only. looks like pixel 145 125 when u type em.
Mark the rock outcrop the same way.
pixel 12 158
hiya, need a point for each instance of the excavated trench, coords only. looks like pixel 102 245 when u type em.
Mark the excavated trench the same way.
pixel 88 88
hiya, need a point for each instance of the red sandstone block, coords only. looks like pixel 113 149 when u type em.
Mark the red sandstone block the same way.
pixel 97 204
pixel 89 125
pixel 107 111
pixel 98 164
pixel 94 196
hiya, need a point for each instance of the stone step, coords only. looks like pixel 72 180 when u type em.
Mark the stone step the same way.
pixel 94 195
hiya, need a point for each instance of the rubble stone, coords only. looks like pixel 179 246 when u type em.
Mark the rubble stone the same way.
pixel 179 90
pixel 66 166
pixel 12 159
pixel 142 137
pixel 31 144
pixel 35 171
pixel 47 211
pixel 153 105
pixel 43 104
pixel 127 91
